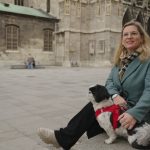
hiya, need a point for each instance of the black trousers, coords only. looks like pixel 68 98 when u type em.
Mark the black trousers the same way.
pixel 82 122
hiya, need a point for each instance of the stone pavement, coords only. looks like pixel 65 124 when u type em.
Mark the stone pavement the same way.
pixel 46 98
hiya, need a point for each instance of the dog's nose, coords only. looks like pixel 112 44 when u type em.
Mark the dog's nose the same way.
pixel 90 92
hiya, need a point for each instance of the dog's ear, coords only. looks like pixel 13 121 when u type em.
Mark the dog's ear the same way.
pixel 99 92
pixel 104 92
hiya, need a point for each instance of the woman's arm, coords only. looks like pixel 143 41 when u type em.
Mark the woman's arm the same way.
pixel 113 88
pixel 142 107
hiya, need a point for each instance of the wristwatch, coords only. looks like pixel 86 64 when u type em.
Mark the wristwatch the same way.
pixel 113 96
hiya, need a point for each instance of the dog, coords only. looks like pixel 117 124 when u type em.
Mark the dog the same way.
pixel 107 114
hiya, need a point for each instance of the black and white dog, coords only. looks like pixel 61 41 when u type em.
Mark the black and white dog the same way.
pixel 107 115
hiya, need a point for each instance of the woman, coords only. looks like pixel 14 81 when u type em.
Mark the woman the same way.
pixel 128 83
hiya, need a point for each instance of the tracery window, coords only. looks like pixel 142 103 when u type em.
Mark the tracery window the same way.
pixel 98 8
pixel 148 4
pixel 139 2
pixel 78 8
pixel 19 2
pixel 48 39
pixel 12 37
pixel 108 7
pixel 48 5
pixel 119 9
pixel 67 7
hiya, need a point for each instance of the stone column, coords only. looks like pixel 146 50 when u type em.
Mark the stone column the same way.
pixel 66 50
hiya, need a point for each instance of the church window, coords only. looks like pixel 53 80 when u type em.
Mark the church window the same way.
pixel 108 7
pixel 119 9
pixel 148 4
pixel 19 2
pixel 98 8
pixel 67 7
pixel 78 8
pixel 48 5
pixel 12 37
pixel 48 39
pixel 139 2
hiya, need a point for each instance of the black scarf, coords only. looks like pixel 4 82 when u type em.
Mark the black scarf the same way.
pixel 125 62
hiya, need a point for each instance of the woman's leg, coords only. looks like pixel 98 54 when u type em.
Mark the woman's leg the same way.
pixel 84 121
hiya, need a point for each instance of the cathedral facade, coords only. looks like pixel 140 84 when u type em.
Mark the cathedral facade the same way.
pixel 67 32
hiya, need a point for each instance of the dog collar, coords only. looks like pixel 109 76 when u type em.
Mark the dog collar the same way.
pixel 114 109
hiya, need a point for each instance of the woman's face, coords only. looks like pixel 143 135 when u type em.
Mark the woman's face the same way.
pixel 131 38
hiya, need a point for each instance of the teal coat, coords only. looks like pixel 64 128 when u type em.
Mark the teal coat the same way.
pixel 136 86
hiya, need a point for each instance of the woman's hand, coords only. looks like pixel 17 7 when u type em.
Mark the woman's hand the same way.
pixel 127 121
pixel 118 100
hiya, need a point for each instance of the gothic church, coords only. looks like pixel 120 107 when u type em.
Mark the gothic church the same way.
pixel 65 32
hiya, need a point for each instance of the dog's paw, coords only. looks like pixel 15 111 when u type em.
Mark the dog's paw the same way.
pixel 109 141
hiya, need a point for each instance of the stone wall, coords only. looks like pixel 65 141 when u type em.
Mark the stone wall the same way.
pixel 30 40
pixel 87 33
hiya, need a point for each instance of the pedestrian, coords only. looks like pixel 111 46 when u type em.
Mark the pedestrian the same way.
pixel 128 84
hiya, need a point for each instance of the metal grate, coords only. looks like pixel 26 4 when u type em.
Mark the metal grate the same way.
pixel 48 38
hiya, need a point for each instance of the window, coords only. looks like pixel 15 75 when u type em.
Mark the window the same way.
pixel 101 46
pixel 78 8
pixel 91 47
pixel 119 9
pixel 19 2
pixel 67 7
pixel 108 7
pixel 139 2
pixel 102 7
pixel 12 37
pixel 48 39
pixel 98 8
pixel 148 4
pixel 48 5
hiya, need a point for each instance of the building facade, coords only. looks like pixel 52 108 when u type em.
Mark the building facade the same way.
pixel 86 34
pixel 26 30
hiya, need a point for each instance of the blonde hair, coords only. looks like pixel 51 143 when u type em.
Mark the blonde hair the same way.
pixel 144 48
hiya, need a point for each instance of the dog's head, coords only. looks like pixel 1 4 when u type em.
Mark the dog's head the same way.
pixel 99 93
